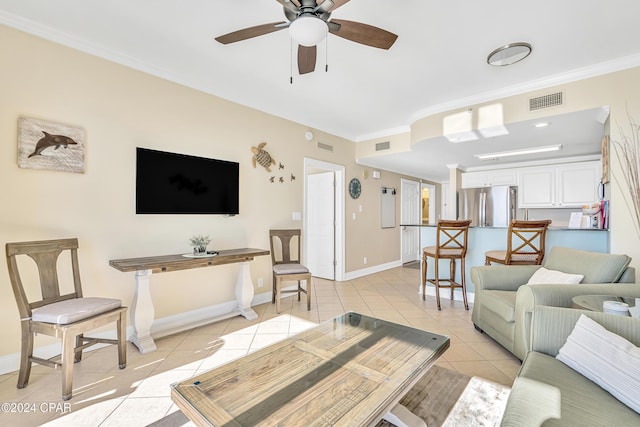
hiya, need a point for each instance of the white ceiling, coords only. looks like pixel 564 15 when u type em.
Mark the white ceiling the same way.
pixel 438 62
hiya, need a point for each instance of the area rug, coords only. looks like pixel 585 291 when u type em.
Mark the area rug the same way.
pixel 451 399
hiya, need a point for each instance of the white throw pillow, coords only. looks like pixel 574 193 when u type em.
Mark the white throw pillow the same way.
pixel 605 358
pixel 544 276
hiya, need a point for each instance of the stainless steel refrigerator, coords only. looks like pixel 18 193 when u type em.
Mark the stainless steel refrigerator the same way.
pixel 488 206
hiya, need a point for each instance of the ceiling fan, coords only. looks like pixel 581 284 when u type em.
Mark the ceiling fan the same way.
pixel 308 23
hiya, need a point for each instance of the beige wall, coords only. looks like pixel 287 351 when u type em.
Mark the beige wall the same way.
pixel 121 109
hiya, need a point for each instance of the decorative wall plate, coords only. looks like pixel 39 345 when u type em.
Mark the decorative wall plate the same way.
pixel 355 188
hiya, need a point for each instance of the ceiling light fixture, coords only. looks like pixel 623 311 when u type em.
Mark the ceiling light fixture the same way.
pixel 308 30
pixel 522 152
pixel 509 54
pixel 541 125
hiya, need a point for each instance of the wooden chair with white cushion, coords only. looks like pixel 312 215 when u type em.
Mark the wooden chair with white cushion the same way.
pixel 525 244
pixel 287 268
pixel 62 315
pixel 451 244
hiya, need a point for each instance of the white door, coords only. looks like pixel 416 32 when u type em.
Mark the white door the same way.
pixel 410 213
pixel 321 225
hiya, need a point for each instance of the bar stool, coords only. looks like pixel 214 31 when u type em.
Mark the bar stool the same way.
pixel 451 244
pixel 525 244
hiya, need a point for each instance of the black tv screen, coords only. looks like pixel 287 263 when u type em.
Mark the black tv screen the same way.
pixel 171 183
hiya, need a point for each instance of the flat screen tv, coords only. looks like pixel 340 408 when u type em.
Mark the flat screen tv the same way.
pixel 171 183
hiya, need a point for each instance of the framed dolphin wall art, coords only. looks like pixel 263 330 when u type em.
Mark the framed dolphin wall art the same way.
pixel 48 145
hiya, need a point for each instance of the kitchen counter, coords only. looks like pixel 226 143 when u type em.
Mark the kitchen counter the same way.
pixel 483 239
pixel 504 228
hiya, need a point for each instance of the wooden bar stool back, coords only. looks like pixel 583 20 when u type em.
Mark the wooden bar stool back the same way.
pixel 62 315
pixel 451 244
pixel 286 267
pixel 525 244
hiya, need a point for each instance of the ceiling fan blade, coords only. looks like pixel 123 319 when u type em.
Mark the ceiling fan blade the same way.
pixel 363 33
pixel 306 59
pixel 247 33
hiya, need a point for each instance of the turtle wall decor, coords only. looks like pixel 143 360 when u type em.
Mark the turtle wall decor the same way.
pixel 262 157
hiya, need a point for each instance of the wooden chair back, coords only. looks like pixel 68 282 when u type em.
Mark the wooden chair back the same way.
pixel 526 241
pixel 45 254
pixel 452 237
pixel 281 242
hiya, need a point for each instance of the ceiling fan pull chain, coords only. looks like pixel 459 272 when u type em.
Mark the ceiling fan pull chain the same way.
pixel 290 61
pixel 326 54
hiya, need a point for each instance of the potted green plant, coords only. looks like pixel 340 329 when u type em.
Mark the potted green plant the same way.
pixel 199 243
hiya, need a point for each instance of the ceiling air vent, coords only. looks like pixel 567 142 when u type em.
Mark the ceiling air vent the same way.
pixel 546 101
pixel 323 146
pixel 383 146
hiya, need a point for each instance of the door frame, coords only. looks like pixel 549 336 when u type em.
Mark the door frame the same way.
pixel 339 172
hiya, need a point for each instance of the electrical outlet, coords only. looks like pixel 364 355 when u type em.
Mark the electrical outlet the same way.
pixel 260 282
pixel 365 260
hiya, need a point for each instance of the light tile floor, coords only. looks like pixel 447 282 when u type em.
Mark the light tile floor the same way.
pixel 139 395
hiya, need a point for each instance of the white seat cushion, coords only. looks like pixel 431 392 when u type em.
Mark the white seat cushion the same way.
pixel 73 310
pixel 290 269
pixel 544 276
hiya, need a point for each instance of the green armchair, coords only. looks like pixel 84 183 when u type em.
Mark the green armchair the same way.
pixel 503 302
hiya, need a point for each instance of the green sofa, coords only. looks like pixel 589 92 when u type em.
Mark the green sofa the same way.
pixel 549 393
pixel 503 303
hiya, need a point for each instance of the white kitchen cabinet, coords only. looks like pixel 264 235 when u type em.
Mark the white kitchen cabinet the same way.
pixel 537 187
pixel 568 185
pixel 489 178
pixel 578 184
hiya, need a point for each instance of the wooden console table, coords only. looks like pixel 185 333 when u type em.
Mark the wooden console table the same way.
pixel 142 311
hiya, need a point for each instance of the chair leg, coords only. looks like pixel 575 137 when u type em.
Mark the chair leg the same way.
pixel 122 340
pixel 424 277
pixel 277 285
pixel 25 355
pixel 452 275
pixel 299 288
pixel 273 290
pixel 463 283
pixel 486 261
pixel 437 283
pixel 67 364
pixel 309 293
pixel 79 342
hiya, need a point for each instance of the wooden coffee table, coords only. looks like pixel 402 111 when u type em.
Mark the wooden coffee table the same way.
pixel 351 370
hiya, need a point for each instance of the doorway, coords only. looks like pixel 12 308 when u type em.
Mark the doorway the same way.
pixel 410 214
pixel 428 195
pixel 324 219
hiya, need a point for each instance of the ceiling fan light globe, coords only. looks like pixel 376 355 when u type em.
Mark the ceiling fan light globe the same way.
pixel 308 30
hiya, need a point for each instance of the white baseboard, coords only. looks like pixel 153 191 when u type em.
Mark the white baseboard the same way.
pixel 457 294
pixel 371 270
